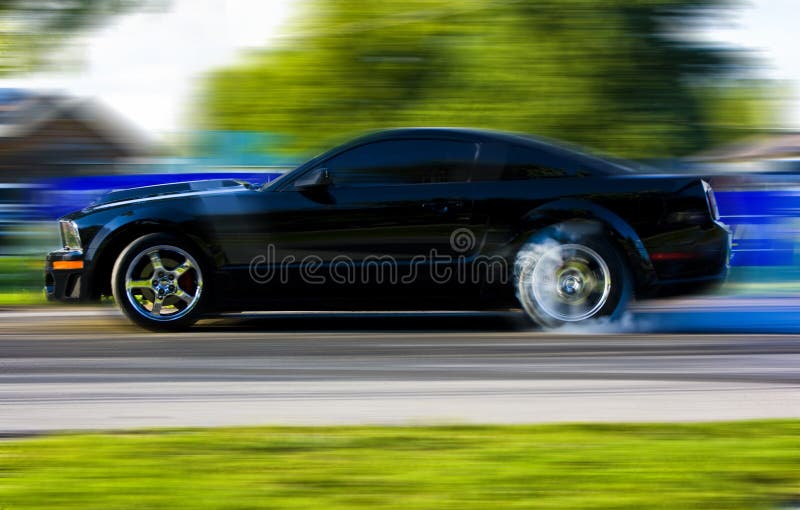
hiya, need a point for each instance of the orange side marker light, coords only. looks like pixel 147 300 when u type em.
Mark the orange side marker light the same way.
pixel 67 264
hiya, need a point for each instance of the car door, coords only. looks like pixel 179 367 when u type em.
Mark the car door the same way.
pixel 393 224
pixel 419 191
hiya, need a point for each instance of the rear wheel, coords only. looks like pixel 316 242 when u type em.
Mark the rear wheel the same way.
pixel 158 283
pixel 563 279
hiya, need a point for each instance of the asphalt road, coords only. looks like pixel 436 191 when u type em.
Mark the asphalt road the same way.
pixel 64 369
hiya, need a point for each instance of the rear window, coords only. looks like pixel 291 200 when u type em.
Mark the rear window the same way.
pixel 525 163
pixel 506 162
pixel 587 162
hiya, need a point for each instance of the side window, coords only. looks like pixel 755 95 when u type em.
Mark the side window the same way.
pixel 403 162
pixel 506 162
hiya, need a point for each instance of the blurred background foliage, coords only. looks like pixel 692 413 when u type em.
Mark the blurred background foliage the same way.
pixel 629 77
pixel 31 29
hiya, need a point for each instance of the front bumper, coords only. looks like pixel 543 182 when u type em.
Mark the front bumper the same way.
pixel 64 276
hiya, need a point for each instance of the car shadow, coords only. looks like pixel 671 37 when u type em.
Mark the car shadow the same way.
pixel 365 322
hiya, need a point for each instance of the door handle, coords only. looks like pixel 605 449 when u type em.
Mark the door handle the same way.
pixel 443 206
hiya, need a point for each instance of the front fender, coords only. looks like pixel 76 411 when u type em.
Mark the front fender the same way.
pixel 113 230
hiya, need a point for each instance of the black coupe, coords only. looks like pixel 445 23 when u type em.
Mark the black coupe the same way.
pixel 409 219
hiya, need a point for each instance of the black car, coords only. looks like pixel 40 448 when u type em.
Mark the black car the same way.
pixel 409 219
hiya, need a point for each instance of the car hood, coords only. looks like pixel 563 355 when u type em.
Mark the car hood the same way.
pixel 163 191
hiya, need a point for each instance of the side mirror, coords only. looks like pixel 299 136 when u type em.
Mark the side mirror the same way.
pixel 315 180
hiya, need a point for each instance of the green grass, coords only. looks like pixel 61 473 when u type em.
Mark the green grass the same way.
pixel 22 282
pixel 708 466
pixel 22 298
pixel 21 274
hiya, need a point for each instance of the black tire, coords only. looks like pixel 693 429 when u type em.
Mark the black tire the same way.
pixel 570 274
pixel 176 294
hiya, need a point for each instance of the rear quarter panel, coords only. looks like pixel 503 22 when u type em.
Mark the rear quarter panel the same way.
pixel 638 212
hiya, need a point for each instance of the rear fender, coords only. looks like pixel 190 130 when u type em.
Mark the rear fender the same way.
pixel 583 218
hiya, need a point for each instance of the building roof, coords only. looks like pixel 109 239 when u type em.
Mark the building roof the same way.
pixel 24 112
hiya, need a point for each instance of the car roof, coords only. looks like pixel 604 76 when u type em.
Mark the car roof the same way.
pixel 555 147
pixel 478 135
pixel 559 149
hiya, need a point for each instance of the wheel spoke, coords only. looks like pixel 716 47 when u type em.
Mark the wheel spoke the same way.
pixel 183 296
pixel 155 260
pixel 187 265
pixel 158 302
pixel 139 284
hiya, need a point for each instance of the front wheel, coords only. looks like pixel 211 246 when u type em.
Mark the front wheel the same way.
pixel 562 281
pixel 158 283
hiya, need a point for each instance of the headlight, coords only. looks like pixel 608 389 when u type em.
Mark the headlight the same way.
pixel 70 238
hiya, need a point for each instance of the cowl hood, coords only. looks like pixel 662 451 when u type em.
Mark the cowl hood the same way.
pixel 163 191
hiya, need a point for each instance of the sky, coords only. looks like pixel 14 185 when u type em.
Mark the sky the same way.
pixel 769 29
pixel 145 65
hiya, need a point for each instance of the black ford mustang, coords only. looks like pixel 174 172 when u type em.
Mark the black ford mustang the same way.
pixel 402 219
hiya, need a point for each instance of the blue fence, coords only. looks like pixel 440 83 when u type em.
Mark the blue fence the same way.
pixel 765 225
pixel 765 218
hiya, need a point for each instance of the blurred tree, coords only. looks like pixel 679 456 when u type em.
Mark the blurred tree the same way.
pixel 29 29
pixel 735 108
pixel 625 76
